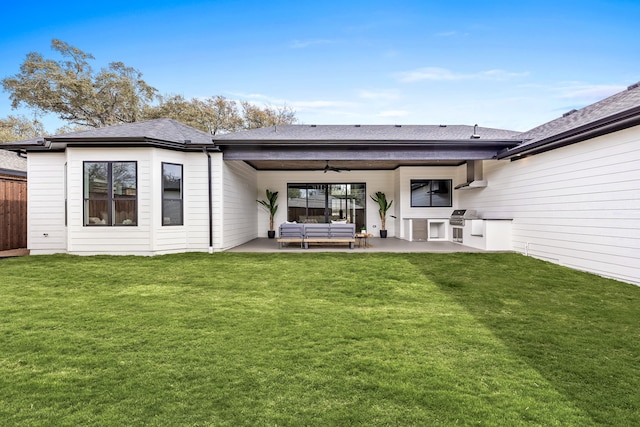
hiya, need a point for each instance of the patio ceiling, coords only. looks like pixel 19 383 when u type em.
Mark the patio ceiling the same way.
pixel 318 165
pixel 386 155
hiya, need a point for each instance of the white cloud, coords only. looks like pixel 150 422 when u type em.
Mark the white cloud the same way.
pixel 443 74
pixel 320 104
pixel 299 105
pixel 589 92
pixel 390 94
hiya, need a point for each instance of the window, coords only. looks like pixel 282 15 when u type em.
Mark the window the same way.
pixel 110 193
pixel 324 203
pixel 427 193
pixel 172 195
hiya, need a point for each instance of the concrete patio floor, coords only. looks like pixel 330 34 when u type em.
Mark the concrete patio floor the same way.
pixel 375 244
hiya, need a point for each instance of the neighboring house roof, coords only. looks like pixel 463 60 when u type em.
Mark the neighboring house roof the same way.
pixel 616 112
pixel 12 164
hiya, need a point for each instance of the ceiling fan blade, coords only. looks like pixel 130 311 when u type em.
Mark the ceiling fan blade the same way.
pixel 328 167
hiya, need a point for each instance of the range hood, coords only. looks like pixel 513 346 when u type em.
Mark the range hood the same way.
pixel 474 176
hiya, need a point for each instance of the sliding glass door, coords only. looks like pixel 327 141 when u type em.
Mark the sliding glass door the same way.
pixel 323 203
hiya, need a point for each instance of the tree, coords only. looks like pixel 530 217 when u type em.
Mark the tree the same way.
pixel 218 114
pixel 255 117
pixel 18 128
pixel 70 89
pixel 214 115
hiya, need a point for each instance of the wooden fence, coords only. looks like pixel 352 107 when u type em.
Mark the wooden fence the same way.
pixel 13 213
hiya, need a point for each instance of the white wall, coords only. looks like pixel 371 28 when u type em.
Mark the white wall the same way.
pixel 84 240
pixel 577 206
pixel 277 181
pixel 193 234
pixel 238 213
pixel 46 232
pixel 148 237
pixel 404 177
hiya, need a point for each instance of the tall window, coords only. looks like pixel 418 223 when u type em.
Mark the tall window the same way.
pixel 427 193
pixel 110 193
pixel 172 194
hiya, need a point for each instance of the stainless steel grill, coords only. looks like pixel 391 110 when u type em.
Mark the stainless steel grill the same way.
pixel 460 215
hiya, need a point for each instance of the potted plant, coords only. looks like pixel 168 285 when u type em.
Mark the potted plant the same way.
pixel 271 206
pixel 383 206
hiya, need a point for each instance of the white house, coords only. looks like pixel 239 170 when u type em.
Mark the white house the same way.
pixel 567 191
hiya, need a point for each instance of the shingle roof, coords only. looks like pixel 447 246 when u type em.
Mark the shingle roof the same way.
pixel 367 133
pixel 608 107
pixel 168 130
pixel 11 161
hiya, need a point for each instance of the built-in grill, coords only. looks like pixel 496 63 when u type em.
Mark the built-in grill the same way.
pixel 459 215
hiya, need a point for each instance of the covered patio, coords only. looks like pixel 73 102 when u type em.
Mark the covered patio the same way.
pixel 374 244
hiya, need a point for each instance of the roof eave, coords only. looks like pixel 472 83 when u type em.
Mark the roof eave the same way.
pixel 367 142
pixel 609 124
pixel 13 172
pixel 57 144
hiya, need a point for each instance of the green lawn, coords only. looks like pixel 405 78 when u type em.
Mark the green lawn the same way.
pixel 316 339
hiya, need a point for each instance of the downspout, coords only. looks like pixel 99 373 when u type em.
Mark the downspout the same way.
pixel 205 151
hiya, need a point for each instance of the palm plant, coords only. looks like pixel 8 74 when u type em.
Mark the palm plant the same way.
pixel 383 206
pixel 271 206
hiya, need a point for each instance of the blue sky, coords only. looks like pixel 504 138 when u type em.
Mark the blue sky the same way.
pixel 504 64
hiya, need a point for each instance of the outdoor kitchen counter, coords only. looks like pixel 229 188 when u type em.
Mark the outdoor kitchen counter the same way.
pixel 491 234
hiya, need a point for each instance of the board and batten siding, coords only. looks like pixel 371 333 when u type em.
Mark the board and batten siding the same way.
pixel 577 206
pixel 46 231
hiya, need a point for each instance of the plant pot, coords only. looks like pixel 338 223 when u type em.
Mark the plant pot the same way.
pixel 271 234
pixel 383 234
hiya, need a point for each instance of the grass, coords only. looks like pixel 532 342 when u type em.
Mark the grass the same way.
pixel 315 339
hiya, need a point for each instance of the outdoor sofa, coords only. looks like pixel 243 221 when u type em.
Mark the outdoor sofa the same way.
pixel 317 234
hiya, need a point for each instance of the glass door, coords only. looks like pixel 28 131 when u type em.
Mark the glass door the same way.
pixel 323 203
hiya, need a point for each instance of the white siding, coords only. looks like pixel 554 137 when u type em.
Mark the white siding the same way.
pixel 149 236
pixel 193 234
pixel 86 240
pixel 45 206
pixel 239 216
pixel 578 206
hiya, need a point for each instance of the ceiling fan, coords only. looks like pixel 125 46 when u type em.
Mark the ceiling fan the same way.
pixel 328 168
